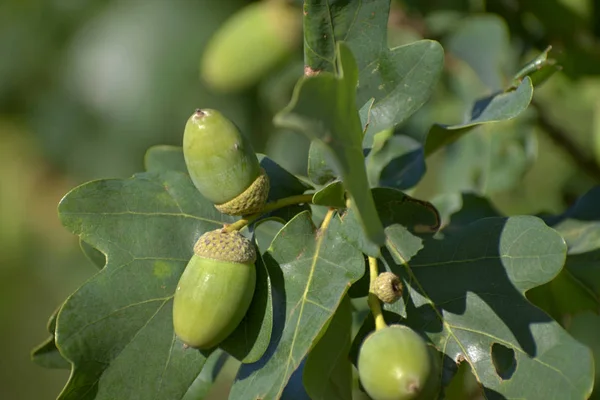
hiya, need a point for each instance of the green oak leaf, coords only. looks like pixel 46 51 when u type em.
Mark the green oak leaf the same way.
pixel 146 226
pixel 467 293
pixel 170 158
pixel 458 210
pixel 497 107
pixel 319 164
pixel 493 158
pixel 404 217
pixel 327 371
pixel 316 269
pixel 206 378
pixel 579 289
pixel 393 83
pixel 323 109
pixel 46 354
pixel 93 254
pixel 395 161
pixel 332 195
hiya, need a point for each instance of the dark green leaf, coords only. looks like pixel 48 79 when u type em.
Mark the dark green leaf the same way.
pixel 327 371
pixel 564 296
pixel 404 217
pixel 395 161
pixel 205 379
pixel 467 293
pixel 265 230
pixel 170 158
pixel 458 210
pixel 491 159
pixel 393 84
pixel 399 81
pixel 332 195
pixel 46 354
pixel 316 269
pixel 497 107
pixel 578 288
pixel 319 164
pixel 585 327
pixel 95 256
pixel 146 226
pixel 323 108
pixel 251 338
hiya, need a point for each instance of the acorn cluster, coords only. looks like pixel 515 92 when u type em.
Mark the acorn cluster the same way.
pixel 217 285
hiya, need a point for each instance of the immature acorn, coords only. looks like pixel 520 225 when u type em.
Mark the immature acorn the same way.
pixel 387 287
pixel 395 363
pixel 223 165
pixel 215 289
pixel 249 44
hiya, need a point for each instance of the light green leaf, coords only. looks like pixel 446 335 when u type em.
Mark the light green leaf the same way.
pixel 498 107
pixel 467 294
pixel 323 108
pixel 332 195
pixel 393 84
pixel 316 269
pixel 146 226
pixel 319 164
pixel 46 354
pixel 396 162
pixel 327 371
pixel 205 379
pixel 404 217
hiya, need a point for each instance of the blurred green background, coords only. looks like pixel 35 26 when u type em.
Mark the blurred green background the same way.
pixel 87 86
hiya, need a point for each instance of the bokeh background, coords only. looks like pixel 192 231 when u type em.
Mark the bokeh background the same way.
pixel 86 86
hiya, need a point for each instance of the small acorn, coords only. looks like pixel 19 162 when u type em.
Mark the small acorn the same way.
pixel 215 289
pixel 249 44
pixel 387 287
pixel 395 363
pixel 223 165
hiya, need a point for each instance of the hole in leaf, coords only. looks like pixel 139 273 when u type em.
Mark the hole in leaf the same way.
pixel 504 361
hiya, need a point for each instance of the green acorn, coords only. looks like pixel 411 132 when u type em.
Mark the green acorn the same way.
pixel 223 165
pixel 249 44
pixel 387 287
pixel 215 289
pixel 395 363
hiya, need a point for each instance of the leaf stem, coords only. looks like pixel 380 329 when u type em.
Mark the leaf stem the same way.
pixel 275 205
pixel 372 300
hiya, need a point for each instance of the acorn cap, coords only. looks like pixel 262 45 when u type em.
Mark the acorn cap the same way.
pixel 251 200
pixel 225 246
pixel 387 287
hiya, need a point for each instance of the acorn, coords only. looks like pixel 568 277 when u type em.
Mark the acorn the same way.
pixel 223 165
pixel 215 289
pixel 395 363
pixel 387 287
pixel 249 44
